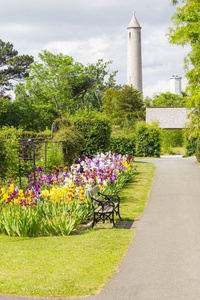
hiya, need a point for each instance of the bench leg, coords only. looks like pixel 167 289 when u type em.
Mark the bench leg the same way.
pixel 118 213
pixel 94 219
pixel 113 214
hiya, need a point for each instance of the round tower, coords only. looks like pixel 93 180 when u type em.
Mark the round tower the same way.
pixel 134 55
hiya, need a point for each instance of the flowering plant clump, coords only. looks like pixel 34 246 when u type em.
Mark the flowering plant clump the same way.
pixel 56 203
pixel 102 170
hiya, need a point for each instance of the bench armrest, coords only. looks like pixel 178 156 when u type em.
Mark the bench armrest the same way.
pixel 102 203
pixel 114 198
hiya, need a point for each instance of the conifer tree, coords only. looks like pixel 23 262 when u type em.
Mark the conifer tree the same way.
pixel 13 67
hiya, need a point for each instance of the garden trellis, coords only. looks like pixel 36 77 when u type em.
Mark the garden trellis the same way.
pixel 38 152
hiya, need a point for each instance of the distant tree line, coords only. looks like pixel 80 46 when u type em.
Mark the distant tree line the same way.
pixel 57 86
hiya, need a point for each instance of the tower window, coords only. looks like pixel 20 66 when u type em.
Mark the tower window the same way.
pixel 129 35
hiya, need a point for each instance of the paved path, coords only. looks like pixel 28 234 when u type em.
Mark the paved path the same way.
pixel 163 261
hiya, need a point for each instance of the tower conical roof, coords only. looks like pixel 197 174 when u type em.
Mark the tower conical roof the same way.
pixel 134 22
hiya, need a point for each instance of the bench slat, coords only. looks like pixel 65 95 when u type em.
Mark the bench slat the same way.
pixel 106 209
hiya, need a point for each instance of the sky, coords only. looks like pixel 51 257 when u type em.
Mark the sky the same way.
pixel 89 30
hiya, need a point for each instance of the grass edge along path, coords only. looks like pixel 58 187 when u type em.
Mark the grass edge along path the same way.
pixel 76 265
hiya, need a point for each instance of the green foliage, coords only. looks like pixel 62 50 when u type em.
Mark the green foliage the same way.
pixel 70 138
pixel 11 146
pixel 166 100
pixel 191 144
pixel 123 144
pixel 57 86
pixel 95 129
pixel 10 137
pixel 148 141
pixel 103 80
pixel 54 155
pixel 123 104
pixel 3 161
pixel 172 138
pixel 51 218
pixel 186 31
pixel 22 113
pixel 49 83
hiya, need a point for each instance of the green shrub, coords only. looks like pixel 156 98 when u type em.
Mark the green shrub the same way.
pixel 54 156
pixel 3 161
pixel 148 141
pixel 35 135
pixel 9 152
pixel 122 144
pixel 172 138
pixel 191 144
pixel 70 140
pixel 95 129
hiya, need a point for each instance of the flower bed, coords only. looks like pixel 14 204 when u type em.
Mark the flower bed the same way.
pixel 56 203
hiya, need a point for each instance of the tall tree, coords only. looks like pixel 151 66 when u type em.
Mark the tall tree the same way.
pixel 56 84
pixel 12 66
pixel 104 79
pixel 186 31
pixel 123 104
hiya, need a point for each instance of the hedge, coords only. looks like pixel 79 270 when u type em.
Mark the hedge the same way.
pixel 173 138
pixel 123 144
pixel 191 144
pixel 148 140
pixel 96 131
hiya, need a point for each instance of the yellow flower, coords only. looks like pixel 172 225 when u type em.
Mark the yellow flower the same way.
pixel 3 190
pixel 5 197
pixel 65 189
pixel 11 188
pixel 16 201
pixel 45 193
pixel 21 193
pixel 136 177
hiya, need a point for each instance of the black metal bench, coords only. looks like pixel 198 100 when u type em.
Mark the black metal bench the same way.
pixel 104 206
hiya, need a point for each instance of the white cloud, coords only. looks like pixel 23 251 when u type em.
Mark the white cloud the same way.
pixel 83 51
pixel 89 30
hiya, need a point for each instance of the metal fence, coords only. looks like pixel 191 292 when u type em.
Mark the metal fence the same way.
pixel 37 154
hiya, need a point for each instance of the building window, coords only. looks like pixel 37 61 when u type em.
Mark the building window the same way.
pixel 129 35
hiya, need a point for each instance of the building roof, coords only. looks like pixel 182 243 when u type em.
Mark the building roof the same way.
pixel 134 22
pixel 168 117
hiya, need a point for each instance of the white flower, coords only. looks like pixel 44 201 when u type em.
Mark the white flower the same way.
pixel 105 183
pixel 98 180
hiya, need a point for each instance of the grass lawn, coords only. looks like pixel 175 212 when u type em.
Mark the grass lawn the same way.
pixel 135 194
pixel 75 265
